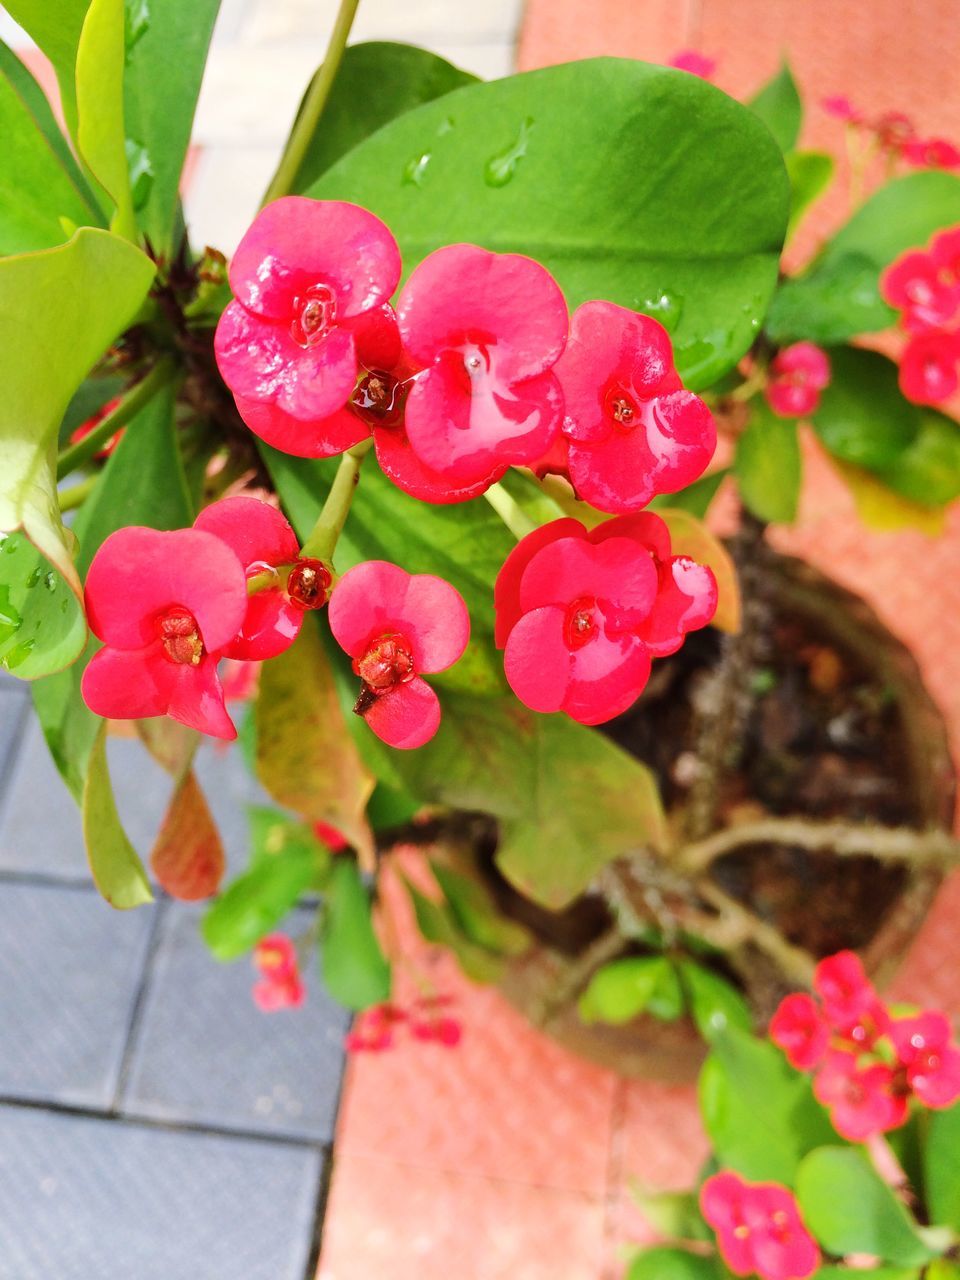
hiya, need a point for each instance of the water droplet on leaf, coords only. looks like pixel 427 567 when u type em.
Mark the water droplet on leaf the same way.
pixel 18 654
pixel 141 172
pixel 35 576
pixel 10 619
pixel 414 170
pixel 500 169
pixel 664 307
pixel 50 580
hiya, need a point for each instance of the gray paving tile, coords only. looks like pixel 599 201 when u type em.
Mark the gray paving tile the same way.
pixel 86 1199
pixel 229 788
pixel 205 1054
pixel 13 713
pixel 69 971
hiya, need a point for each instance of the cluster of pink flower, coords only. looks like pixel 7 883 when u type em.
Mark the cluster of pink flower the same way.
pixel 759 1228
pixel 280 985
pixel 896 135
pixel 924 286
pixel 868 1063
pixel 427 1019
pixel 796 376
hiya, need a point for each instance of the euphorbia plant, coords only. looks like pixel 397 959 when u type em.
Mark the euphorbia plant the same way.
pixel 474 330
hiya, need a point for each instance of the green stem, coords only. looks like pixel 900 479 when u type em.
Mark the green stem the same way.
pixel 306 122
pixel 323 539
pixel 510 511
pixel 131 404
pixel 77 495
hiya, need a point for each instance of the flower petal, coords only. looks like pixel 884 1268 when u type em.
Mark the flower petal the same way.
pixel 536 660
pixel 196 700
pixel 256 531
pixel 127 684
pixel 323 438
pixel 506 591
pixel 686 600
pixel 406 717
pixel 270 627
pixel 616 572
pixel 607 676
pixel 401 465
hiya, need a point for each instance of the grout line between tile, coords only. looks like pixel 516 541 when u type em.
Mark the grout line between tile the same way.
pixel 151 952
pixel 615 1168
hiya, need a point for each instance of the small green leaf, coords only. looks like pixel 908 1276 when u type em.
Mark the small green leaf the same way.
pixel 355 971
pixel 928 469
pixel 477 913
pixel 256 902
pixel 389 807
pixel 878 507
pixel 714 1002
pixel 696 498
pixel 850 1209
pixel 768 465
pixel 101 141
pixel 837 302
pixel 882 1273
pixel 621 990
pixel 440 926
pixel 862 417
pixel 666 1263
pixel 810 173
pixel 117 870
pixel 779 107
pixel 674 1215
pixel 942 1167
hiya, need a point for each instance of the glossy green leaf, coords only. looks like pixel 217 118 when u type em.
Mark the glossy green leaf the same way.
pixel 665 1263
pixel 779 107
pixel 928 469
pixel 101 140
pixel 117 870
pixel 477 913
pixel 621 990
pixel 439 925
pixel 810 173
pixel 839 297
pixel 375 83
pixel 833 1181
pixel 682 187
pixel 55 25
pixel 862 417
pixel 768 465
pixel 164 69
pixel 35 189
pixel 760 1114
pixel 59 310
pixel 932 1272
pixel 941 1167
pixel 696 498
pixel 355 971
pixel 256 902
pixel 42 627
pixel 715 1004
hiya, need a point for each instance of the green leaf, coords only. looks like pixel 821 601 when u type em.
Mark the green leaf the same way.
pixel 440 926
pixel 674 1215
pixel 665 1263
pixel 35 189
pixel 779 107
pixel 942 1167
pixel 696 498
pixel 164 70
pixel 355 971
pixel 714 1002
pixel 839 297
pixel 768 465
pixel 257 901
pixel 928 469
pixel 862 417
pixel 810 174
pixel 677 203
pixel 691 537
pixel 117 871
pixel 55 25
pixel 850 1209
pixel 477 913
pixel 141 484
pixel 881 1273
pixel 59 310
pixel 405 77
pixel 35 100
pixel 621 990
pixel 388 808
pixel 100 131
pixel 42 627
pixel 940 1269
pixel 760 1114
pixel 878 507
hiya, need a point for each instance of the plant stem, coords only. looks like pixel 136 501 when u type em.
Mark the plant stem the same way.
pixel 559 490
pixel 306 122
pixel 133 401
pixel 794 963
pixel 323 539
pixel 75 497
pixel 510 511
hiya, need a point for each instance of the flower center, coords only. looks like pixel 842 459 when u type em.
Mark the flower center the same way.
pixel 379 394
pixel 308 584
pixel 387 663
pixel 180 637
pixel 315 313
pixel 621 408
pixel 580 624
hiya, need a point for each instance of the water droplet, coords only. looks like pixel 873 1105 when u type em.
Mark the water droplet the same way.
pixel 500 169
pixel 445 127
pixel 664 307
pixel 10 619
pixel 50 580
pixel 414 170
pixel 18 654
pixel 141 172
pixel 11 545
pixel 35 575
pixel 64 604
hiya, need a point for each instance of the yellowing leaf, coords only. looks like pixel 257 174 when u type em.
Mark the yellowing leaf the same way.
pixel 881 509
pixel 691 538
pixel 187 857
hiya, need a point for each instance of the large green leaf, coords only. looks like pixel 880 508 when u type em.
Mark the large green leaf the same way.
pixel 768 465
pixel 666 1263
pixel 941 1167
pixel 405 77
pixel 839 297
pixel 55 25
pixel 477 914
pixel 35 189
pixel 880 1273
pixel 59 310
pixel 117 870
pixel 440 926
pixel 42 626
pixel 164 69
pixel 810 173
pixel 631 182
pixel 779 107
pixel 761 1115
pixel 714 1003
pixel 355 971
pixel 850 1209
pixel 101 140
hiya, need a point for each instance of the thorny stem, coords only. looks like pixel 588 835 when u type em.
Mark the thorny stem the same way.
pixel 322 541
pixel 133 401
pixel 306 122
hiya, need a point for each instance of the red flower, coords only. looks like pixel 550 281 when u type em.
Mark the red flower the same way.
pixel 928 367
pixel 894 130
pixel 801 1031
pixel 759 1228
pixel 697 64
pixel 166 605
pixel 914 285
pixel 842 984
pixel 280 985
pixel 429 1023
pixel 397 626
pixel 841 108
pixel 373 1031
pixel 335 840
pixel 262 540
pixel 798 375
pixel 311 280
pixel 633 431
pixel 862 1100
pixel 945 252
pixel 931 153
pixel 94 420
pixel 926 1050
pixel 486 329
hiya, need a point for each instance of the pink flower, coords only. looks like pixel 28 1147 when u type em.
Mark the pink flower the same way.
pixel 863 1101
pixel 759 1228
pixel 931 153
pixel 801 1031
pixel 486 330
pixel 373 1031
pixel 633 431
pixel 945 252
pixel 894 130
pixel 239 680
pixel 166 605
pixel 842 984
pixel 926 1050
pixel 697 64
pixel 915 286
pixel 397 626
pixel 798 375
pixel 280 985
pixel 862 1033
pixel 928 367
pixel 94 420
pixel 335 840
pixel 428 1021
pixel 263 541
pixel 841 108
pixel 311 279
